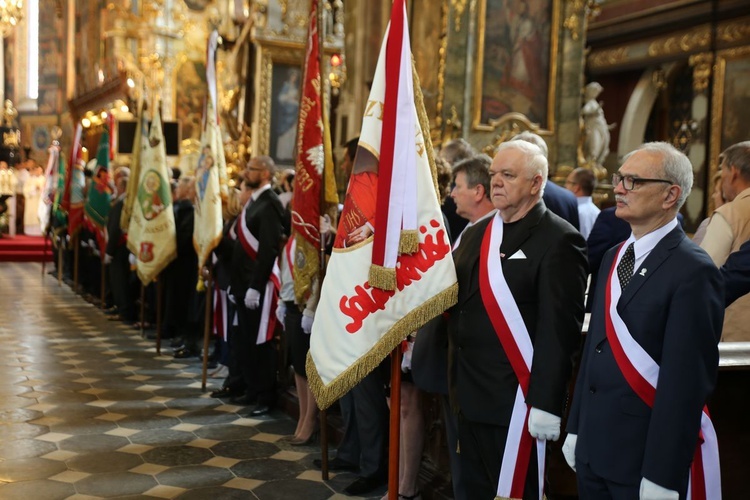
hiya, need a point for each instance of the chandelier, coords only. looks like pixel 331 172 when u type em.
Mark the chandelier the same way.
pixel 11 13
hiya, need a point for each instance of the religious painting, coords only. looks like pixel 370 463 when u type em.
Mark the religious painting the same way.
pixel 731 98
pixel 190 96
pixel 516 61
pixel 286 84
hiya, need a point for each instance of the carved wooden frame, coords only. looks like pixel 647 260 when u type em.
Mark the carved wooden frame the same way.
pixel 271 56
pixel 547 128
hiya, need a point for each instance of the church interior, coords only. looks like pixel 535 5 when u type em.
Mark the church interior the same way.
pixel 92 408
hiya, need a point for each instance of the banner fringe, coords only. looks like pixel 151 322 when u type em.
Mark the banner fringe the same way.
pixel 148 278
pixel 381 277
pixel 409 242
pixel 326 395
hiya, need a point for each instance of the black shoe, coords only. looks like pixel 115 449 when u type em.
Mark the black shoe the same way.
pixel 244 400
pixel 336 465
pixel 177 343
pixel 226 392
pixel 212 365
pixel 365 485
pixel 184 353
pixel 260 410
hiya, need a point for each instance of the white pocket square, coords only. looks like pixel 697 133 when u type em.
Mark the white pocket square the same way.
pixel 518 255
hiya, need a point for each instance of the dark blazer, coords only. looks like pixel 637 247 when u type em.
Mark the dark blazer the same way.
pixel 562 203
pixel 264 218
pixel 548 286
pixel 674 311
pixel 736 272
pixel 115 238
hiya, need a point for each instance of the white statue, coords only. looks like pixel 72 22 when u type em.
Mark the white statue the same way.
pixel 595 127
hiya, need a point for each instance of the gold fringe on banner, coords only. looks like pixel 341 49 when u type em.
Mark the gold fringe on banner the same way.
pixel 409 242
pixel 382 277
pixel 325 396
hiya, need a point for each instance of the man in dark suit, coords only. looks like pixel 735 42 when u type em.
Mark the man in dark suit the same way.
pixel 251 272
pixel 650 360
pixel 557 199
pixel 736 272
pixel 541 260
pixel 117 253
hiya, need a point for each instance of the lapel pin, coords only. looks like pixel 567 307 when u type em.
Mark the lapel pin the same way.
pixel 643 272
pixel 502 255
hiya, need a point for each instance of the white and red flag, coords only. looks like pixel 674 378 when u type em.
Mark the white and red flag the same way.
pixel 391 268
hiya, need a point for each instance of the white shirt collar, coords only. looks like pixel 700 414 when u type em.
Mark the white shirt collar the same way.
pixel 648 242
pixel 260 191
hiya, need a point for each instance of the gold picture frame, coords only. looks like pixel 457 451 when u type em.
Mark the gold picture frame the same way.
pixel 279 90
pixel 729 119
pixel 537 26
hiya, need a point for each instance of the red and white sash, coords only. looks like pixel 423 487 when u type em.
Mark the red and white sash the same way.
pixel 220 313
pixel 271 294
pixel 516 342
pixel 642 374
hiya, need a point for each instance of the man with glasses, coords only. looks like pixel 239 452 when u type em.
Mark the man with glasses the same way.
pixel 521 282
pixel 651 358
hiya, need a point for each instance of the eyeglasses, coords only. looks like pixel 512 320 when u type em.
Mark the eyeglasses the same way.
pixel 630 182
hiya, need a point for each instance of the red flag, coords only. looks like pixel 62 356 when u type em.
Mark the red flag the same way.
pixel 314 168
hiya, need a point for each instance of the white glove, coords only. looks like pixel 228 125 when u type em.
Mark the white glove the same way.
pixel 325 224
pixel 84 244
pixel 406 358
pixel 544 425
pixel 107 259
pixel 652 491
pixel 252 298
pixel 281 312
pixel 132 260
pixel 92 243
pixel 569 450
pixel 307 321
pixel 230 295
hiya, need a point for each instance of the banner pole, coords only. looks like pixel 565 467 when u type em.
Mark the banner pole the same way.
pixel 59 261
pixel 207 323
pixel 76 248
pixel 395 425
pixel 322 256
pixel 103 285
pixel 143 310
pixel 158 314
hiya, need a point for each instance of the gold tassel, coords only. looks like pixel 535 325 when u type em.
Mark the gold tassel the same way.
pixel 200 287
pixel 382 277
pixel 409 241
pixel 326 395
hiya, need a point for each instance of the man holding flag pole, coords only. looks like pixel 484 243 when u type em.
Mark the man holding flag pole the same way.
pixel 388 275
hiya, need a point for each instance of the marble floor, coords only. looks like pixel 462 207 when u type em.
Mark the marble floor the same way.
pixel 88 410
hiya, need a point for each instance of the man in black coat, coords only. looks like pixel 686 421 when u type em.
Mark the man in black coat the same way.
pixel 542 261
pixel 181 309
pixel 259 231
pixel 117 253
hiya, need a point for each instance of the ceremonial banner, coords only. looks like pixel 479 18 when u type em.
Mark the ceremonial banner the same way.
pixel 357 323
pixel 48 193
pixel 314 169
pixel 151 233
pixel 100 193
pixel 72 195
pixel 141 134
pixel 210 174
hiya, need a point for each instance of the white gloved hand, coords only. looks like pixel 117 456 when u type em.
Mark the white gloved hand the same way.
pixel 652 491
pixel 132 260
pixel 84 244
pixel 544 425
pixel 307 321
pixel 92 243
pixel 252 298
pixel 569 450
pixel 406 358
pixel 281 312
pixel 325 224
pixel 107 259
pixel 230 295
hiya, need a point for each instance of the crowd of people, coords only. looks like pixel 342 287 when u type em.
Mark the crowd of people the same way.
pixel 531 258
pixel 21 189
